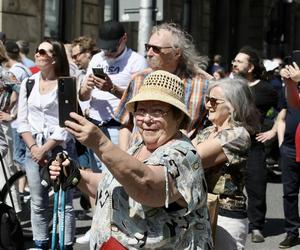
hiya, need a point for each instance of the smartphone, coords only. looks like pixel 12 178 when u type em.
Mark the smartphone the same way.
pixel 99 73
pixel 67 98
pixel 294 57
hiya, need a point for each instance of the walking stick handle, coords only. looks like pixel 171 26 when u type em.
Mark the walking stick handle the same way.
pixel 60 157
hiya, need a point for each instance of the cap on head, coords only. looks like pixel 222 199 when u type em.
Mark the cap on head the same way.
pixel 12 47
pixel 161 86
pixel 109 35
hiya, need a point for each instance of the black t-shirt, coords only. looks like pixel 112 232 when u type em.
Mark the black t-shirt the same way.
pixel 265 96
pixel 291 122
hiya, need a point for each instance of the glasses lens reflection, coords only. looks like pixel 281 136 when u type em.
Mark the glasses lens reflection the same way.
pixel 42 52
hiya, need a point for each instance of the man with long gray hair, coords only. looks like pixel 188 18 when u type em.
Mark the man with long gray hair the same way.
pixel 170 49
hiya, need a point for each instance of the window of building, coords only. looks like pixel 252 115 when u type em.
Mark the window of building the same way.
pixel 52 17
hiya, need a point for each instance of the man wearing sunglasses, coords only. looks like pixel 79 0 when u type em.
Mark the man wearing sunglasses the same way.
pixel 248 64
pixel 170 49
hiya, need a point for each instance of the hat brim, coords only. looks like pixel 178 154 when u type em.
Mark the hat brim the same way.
pixel 108 44
pixel 152 95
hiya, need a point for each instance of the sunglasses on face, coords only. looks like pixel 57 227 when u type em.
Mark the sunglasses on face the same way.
pixel 214 102
pixel 42 52
pixel 155 49
pixel 74 57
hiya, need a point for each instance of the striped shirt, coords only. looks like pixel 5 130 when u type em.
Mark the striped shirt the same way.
pixel 195 90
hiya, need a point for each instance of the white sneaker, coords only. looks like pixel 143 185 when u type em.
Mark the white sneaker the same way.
pixel 85 238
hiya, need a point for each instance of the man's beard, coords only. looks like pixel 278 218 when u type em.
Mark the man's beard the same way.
pixel 239 74
pixel 154 63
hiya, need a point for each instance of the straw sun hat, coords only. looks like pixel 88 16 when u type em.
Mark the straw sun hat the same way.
pixel 161 86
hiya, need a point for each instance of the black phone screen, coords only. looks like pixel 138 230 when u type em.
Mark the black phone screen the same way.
pixel 99 73
pixel 67 98
pixel 296 57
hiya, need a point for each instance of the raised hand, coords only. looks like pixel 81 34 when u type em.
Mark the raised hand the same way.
pixel 84 131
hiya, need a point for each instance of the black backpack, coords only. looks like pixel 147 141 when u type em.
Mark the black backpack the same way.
pixel 11 234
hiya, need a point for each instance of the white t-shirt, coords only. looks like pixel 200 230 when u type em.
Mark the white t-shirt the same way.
pixel 21 72
pixel 120 70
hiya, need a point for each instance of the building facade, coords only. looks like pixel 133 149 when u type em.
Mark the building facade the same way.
pixel 217 26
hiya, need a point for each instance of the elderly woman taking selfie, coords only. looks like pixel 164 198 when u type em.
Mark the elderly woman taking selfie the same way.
pixel 154 196
pixel 223 150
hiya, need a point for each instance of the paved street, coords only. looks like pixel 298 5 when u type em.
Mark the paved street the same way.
pixel 273 231
pixel 274 227
pixel 82 225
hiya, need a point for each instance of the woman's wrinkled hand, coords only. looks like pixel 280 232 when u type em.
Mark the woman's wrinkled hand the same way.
pixel 84 131
pixel 55 168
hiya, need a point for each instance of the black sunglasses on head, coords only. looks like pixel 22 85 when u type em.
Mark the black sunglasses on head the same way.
pixel 156 49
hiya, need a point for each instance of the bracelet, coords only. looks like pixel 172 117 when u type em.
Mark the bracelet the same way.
pixel 113 89
pixel 34 144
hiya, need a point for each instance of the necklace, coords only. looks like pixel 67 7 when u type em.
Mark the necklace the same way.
pixel 47 86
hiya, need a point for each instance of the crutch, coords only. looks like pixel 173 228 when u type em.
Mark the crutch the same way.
pixel 60 157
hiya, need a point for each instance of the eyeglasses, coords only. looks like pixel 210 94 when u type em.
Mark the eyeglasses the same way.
pixel 41 52
pixel 237 61
pixel 155 114
pixel 214 102
pixel 156 49
pixel 74 57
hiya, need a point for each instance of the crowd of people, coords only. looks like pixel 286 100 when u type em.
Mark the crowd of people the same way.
pixel 159 133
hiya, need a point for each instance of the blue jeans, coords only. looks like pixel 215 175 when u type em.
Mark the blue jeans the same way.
pixel 40 202
pixel 19 148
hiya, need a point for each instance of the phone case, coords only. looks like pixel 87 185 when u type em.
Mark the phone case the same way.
pixel 112 244
pixel 99 73
pixel 67 98
pixel 296 57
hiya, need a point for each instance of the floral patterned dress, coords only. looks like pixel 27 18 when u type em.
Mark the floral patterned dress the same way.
pixel 228 180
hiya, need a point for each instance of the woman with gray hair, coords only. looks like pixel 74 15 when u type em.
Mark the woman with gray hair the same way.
pixel 223 148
